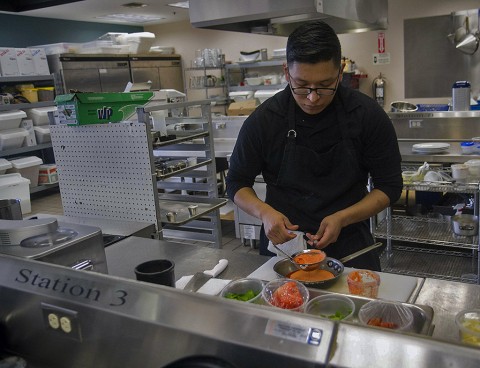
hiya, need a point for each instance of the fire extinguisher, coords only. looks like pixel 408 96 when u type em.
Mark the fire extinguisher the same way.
pixel 378 87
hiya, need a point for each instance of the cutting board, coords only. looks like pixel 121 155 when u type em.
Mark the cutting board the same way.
pixel 392 287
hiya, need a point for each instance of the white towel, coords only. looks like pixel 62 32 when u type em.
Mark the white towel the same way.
pixel 211 287
pixel 290 247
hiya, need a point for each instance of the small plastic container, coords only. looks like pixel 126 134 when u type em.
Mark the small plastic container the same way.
pixel 473 168
pixel 12 138
pixel 293 295
pixel 460 172
pixel 28 167
pixel 39 115
pixel 11 119
pixel 363 283
pixel 14 186
pixel 381 313
pixel 4 165
pixel 468 148
pixel 333 307
pixel 247 290
pixel 42 134
pixel 409 176
pixel 468 323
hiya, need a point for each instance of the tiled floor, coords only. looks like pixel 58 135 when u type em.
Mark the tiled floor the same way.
pixel 52 204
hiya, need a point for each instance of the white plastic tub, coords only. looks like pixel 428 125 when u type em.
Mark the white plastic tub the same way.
pixel 263 95
pixel 42 134
pixel 28 167
pixel 4 165
pixel 39 115
pixel 13 186
pixel 12 138
pixel 238 96
pixel 11 119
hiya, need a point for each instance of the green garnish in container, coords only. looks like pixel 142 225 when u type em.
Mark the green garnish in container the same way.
pixel 250 294
pixel 338 316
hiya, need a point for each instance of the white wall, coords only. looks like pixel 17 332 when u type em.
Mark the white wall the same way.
pixel 358 47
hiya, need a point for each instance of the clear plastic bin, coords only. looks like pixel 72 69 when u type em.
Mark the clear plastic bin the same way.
pixel 11 119
pixel 12 138
pixel 28 167
pixel 42 134
pixel 14 186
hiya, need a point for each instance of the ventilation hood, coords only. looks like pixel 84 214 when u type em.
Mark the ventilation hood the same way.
pixel 281 17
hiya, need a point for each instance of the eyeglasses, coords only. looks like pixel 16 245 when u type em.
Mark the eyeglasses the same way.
pixel 321 91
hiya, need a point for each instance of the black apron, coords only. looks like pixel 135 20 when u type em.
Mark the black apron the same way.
pixel 312 185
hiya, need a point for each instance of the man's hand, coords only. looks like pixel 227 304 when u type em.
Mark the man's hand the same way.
pixel 327 233
pixel 277 226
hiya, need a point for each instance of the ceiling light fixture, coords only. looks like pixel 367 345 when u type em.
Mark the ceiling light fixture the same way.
pixel 180 4
pixel 131 18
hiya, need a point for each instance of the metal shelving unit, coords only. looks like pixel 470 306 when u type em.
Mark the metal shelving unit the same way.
pixel 242 69
pixel 38 147
pixel 188 185
pixel 430 231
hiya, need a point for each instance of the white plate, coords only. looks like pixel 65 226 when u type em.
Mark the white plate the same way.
pixel 431 147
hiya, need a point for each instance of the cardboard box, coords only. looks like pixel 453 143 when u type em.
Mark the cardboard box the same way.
pixel 102 108
pixel 25 62
pixel 40 62
pixel 8 62
pixel 48 174
pixel 242 108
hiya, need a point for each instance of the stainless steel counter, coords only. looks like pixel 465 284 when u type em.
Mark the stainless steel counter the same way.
pixel 447 298
pixel 123 256
pixel 114 227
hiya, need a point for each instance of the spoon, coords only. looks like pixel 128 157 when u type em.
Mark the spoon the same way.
pixel 302 266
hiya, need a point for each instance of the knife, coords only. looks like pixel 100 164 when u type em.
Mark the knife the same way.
pixel 200 278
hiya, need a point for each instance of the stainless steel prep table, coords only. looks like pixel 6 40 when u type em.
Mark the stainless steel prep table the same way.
pixel 123 256
pixel 114 227
pixel 447 298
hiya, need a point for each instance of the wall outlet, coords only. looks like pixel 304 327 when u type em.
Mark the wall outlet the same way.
pixel 62 321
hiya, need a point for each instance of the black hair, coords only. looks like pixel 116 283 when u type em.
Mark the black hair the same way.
pixel 313 42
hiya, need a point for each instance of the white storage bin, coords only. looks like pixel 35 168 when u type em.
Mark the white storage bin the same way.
pixel 39 115
pixel 139 42
pixel 4 165
pixel 28 167
pixel 11 119
pixel 238 96
pixel 13 186
pixel 12 138
pixel 42 134
pixel 263 95
pixel 59 48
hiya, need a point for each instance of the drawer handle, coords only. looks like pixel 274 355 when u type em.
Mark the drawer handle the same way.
pixel 85 264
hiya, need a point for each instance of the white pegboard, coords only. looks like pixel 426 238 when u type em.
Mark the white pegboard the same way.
pixel 105 171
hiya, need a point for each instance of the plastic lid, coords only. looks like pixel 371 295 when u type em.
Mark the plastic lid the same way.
pixel 466 144
pixel 12 179
pixel 24 162
pixel 42 129
pixel 12 114
pixel 11 133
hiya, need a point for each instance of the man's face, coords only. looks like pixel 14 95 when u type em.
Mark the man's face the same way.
pixel 324 75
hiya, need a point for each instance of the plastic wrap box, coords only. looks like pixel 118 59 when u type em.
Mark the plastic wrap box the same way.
pixel 12 138
pixel 13 186
pixel 102 108
pixel 30 139
pixel 47 174
pixel 40 62
pixel 28 167
pixel 42 134
pixel 39 115
pixel 8 62
pixel 25 61
pixel 11 119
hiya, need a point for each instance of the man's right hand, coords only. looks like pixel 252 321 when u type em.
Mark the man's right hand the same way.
pixel 277 226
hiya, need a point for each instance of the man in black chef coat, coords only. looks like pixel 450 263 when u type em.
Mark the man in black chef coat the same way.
pixel 315 143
